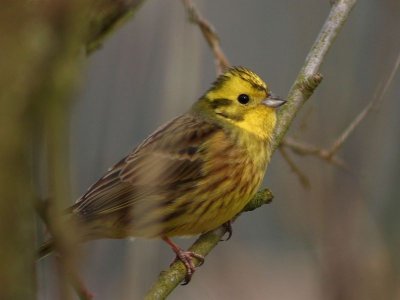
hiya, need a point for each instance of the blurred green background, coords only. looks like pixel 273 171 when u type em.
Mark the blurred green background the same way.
pixel 339 239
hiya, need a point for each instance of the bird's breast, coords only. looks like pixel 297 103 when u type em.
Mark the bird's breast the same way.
pixel 233 173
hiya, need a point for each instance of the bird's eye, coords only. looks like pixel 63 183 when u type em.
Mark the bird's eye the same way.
pixel 243 98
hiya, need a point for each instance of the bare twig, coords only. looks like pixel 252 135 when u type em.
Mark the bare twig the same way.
pixel 329 154
pixel 388 81
pixel 361 116
pixel 307 149
pixel 306 82
pixel 308 78
pixel 221 62
pixel 338 143
pixel 295 169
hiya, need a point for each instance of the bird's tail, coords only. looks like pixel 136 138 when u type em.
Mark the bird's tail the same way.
pixel 45 249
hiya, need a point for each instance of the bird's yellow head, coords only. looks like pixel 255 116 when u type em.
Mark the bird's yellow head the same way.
pixel 239 97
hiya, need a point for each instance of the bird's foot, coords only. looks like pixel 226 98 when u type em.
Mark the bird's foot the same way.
pixel 186 257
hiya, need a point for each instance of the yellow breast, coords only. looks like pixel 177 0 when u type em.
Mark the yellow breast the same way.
pixel 232 176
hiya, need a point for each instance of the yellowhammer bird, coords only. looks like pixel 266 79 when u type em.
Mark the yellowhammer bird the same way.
pixel 191 175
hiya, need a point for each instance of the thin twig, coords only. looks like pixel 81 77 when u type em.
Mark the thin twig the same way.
pixel 306 82
pixel 308 78
pixel 388 81
pixel 302 148
pixel 221 62
pixel 361 116
pixel 338 143
pixel 329 154
pixel 295 169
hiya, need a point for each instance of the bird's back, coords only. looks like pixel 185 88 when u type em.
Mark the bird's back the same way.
pixel 188 177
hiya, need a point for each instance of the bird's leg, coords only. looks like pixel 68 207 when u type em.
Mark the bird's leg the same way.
pixel 228 227
pixel 186 257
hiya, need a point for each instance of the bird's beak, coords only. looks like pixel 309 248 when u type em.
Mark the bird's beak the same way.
pixel 274 101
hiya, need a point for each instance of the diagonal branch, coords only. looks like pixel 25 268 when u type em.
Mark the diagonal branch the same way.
pixel 306 82
pixel 309 78
pixel 221 62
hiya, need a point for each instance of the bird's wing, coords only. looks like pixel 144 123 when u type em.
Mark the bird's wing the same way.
pixel 167 164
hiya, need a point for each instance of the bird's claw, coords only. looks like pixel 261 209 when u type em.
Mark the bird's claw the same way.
pixel 228 227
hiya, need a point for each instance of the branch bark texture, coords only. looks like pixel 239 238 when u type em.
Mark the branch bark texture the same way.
pixel 309 78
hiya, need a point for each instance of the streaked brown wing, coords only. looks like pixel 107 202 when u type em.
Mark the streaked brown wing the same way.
pixel 171 159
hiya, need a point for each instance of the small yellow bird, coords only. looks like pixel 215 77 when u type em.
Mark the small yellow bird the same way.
pixel 191 175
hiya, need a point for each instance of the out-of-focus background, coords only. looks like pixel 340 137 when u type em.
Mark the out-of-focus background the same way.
pixel 338 239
